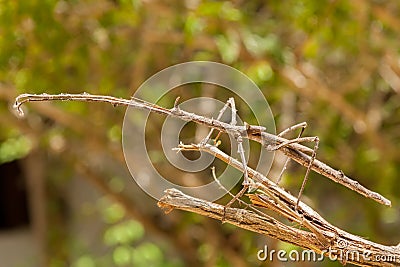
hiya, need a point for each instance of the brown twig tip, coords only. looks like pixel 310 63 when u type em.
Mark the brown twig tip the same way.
pixel 21 99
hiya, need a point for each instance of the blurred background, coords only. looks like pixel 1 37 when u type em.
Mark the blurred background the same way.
pixel 66 196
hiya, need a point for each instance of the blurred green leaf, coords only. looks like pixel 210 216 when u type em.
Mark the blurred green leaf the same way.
pixel 111 212
pixel 228 46
pixel 229 12
pixel 116 184
pixel 84 261
pixel 147 254
pixel 15 148
pixel 260 72
pixel 114 133
pixel 122 255
pixel 193 25
pixel 123 233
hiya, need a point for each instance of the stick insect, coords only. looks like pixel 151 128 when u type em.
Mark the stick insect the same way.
pixel 301 154
pixel 247 185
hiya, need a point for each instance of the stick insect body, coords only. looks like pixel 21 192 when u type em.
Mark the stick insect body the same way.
pixel 303 155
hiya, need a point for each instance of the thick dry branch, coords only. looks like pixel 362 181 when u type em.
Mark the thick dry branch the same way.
pixel 344 247
pixel 242 218
pixel 253 132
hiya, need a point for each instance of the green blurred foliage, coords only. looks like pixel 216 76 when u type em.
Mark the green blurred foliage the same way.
pixel 14 148
pixel 334 64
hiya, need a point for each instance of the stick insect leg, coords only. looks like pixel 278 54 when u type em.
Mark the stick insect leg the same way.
pixel 239 139
pixel 221 112
pixel 314 154
pixel 314 139
pixel 249 206
pixel 246 181
pixel 303 126
pixel 288 142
